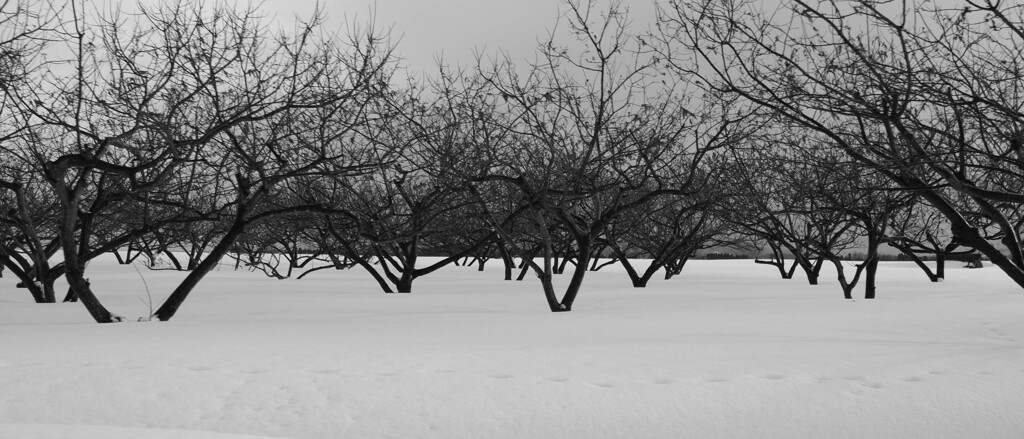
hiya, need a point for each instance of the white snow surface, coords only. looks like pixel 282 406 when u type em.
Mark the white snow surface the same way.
pixel 726 350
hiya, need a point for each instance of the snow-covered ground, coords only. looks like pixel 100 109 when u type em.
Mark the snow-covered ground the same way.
pixel 727 350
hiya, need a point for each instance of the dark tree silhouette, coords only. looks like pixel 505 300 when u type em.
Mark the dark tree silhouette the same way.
pixel 929 97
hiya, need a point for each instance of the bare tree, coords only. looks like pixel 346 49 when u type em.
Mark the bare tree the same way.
pixel 927 96
pixel 668 231
pixel 135 105
pixel 28 239
pixel 27 228
pixel 597 134
pixel 419 203
pixel 764 202
pixel 920 232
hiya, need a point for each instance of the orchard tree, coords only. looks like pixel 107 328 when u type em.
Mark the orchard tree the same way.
pixel 133 105
pixel 419 202
pixel 598 133
pixel 28 237
pixel 668 231
pixel 926 95
pixel 763 203
pixel 920 232
pixel 866 198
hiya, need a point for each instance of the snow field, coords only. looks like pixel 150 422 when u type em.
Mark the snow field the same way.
pixel 725 350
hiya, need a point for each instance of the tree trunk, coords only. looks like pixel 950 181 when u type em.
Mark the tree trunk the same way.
pixel 545 273
pixel 641 282
pixel 634 277
pixel 506 260
pixel 812 270
pixel 404 284
pixel 939 266
pixel 779 265
pixel 871 264
pixel 648 274
pixel 792 269
pixel 778 261
pixel 178 296
pixel 121 260
pixel 921 263
pixel 363 262
pixel 74 273
pixel 36 290
pixel 70 296
pixel 565 263
pixel 580 270
pixel 869 277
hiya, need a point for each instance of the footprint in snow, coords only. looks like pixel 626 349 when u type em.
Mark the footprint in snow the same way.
pixel 326 371
pixel 775 377
pixel 602 385
pixel 559 379
pixel 863 382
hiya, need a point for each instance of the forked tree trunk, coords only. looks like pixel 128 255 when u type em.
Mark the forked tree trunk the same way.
pixel 640 280
pixel 675 267
pixel 778 261
pixel 404 284
pixel 38 279
pixel 35 289
pixel 846 283
pixel 812 270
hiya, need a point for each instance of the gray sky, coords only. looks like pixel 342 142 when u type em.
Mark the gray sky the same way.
pixel 430 28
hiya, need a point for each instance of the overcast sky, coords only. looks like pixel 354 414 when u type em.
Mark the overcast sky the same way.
pixel 429 28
